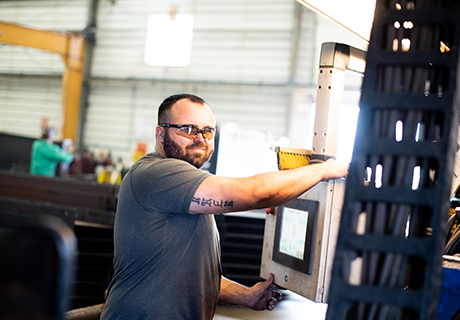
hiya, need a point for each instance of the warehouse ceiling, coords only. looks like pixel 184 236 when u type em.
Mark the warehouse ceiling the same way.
pixel 353 15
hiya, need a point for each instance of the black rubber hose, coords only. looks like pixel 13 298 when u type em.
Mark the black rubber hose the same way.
pixel 453 242
pixel 450 223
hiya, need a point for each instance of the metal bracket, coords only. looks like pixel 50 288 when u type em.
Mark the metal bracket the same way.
pixel 335 59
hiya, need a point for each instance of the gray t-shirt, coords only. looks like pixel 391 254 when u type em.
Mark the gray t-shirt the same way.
pixel 167 261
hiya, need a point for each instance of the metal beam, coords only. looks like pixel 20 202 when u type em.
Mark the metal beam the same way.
pixel 71 47
pixel 90 33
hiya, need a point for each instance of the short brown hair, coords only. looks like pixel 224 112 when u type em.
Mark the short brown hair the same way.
pixel 171 100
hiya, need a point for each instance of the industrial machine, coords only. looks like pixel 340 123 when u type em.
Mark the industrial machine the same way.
pixel 411 80
pixel 321 206
pixel 376 248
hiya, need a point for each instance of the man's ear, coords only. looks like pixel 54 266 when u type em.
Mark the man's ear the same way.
pixel 160 131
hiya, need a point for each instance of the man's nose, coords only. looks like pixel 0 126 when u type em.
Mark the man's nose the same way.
pixel 199 137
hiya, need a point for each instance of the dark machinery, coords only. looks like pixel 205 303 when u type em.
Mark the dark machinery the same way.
pixel 38 255
pixel 410 81
pixel 87 208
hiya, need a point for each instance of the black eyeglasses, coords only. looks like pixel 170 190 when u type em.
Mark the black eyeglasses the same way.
pixel 189 131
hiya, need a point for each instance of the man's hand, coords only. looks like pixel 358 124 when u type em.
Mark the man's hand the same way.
pixel 334 169
pixel 265 295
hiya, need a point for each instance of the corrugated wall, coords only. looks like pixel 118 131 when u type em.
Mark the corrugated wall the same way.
pixel 252 60
pixel 241 65
pixel 24 102
pixel 238 41
pixel 118 111
pixel 30 79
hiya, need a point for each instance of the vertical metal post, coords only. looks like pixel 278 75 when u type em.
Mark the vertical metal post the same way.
pixel 90 34
pixel 334 60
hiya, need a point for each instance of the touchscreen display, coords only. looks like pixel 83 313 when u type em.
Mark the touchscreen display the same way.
pixel 293 232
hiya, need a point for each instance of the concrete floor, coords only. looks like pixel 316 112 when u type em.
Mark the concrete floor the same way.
pixel 292 307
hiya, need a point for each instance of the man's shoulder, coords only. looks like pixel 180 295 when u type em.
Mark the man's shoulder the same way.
pixel 38 142
pixel 155 161
pixel 154 158
pixel 44 145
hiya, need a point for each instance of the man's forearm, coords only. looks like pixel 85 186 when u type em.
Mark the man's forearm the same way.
pixel 262 190
pixel 263 295
pixel 232 293
pixel 274 188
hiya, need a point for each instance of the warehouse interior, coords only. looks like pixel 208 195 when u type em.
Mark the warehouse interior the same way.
pixel 92 70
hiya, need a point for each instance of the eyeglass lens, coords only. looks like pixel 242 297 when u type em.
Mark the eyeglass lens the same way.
pixel 191 132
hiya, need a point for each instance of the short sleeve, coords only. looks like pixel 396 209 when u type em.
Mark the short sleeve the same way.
pixel 165 185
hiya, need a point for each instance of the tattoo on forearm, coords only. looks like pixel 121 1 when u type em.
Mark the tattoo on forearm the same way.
pixel 212 202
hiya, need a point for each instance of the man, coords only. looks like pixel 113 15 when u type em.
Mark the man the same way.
pixel 167 253
pixel 45 155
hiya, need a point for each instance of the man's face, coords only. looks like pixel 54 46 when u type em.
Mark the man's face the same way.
pixel 51 134
pixel 195 150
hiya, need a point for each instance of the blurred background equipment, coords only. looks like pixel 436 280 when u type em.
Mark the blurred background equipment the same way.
pixel 88 208
pixel 38 264
pixel 15 152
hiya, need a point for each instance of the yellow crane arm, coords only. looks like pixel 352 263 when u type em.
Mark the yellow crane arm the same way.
pixel 71 47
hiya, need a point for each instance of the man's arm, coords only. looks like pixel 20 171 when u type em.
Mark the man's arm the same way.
pixel 261 296
pixel 54 152
pixel 224 194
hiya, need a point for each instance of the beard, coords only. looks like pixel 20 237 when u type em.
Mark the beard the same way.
pixel 173 150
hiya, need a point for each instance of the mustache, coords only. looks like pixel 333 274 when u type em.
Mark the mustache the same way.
pixel 197 145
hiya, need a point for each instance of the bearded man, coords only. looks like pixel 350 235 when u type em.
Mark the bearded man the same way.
pixel 167 251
